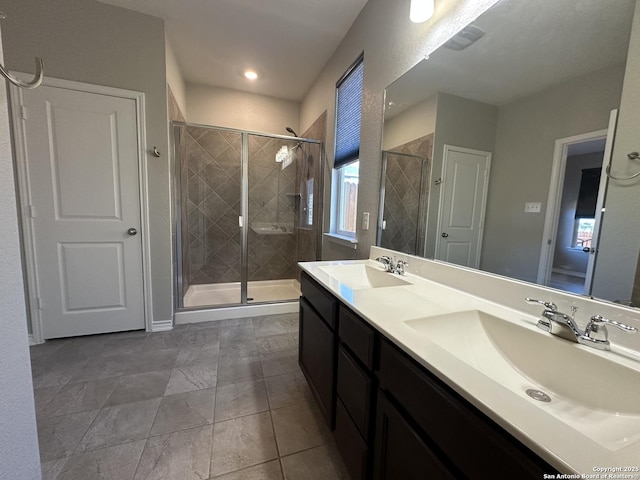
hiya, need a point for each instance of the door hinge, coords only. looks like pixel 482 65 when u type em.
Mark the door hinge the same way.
pixel 240 221
pixel 40 304
pixel 32 211
pixel 24 112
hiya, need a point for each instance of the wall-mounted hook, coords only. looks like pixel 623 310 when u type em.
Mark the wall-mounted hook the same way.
pixel 156 153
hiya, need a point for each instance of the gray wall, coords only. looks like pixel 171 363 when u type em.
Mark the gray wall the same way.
pixel 223 107
pixel 618 248
pixel 463 123
pixel 566 257
pixel 91 42
pixel 19 456
pixel 522 161
pixel 391 45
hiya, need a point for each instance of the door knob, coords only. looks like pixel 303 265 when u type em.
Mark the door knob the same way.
pixel 444 235
pixel 588 250
pixel 132 231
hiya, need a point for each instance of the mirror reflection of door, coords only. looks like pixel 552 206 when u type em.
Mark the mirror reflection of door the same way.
pixel 578 209
pixel 463 196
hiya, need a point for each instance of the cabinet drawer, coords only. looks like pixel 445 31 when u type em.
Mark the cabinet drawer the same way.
pixel 324 303
pixel 354 389
pixel 472 442
pixel 317 359
pixel 357 335
pixel 351 446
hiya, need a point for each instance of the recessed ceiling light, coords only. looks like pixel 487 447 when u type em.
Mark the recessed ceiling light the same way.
pixel 251 75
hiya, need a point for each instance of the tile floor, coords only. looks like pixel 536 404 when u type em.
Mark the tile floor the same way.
pixel 223 400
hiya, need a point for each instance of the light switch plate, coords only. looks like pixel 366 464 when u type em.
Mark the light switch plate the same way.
pixel 532 207
pixel 365 221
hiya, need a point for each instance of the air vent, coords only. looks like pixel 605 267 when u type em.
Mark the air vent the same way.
pixel 465 37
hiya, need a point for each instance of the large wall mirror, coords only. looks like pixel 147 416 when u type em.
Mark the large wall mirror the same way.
pixel 495 147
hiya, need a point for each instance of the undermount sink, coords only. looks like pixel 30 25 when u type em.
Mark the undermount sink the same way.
pixel 363 276
pixel 594 395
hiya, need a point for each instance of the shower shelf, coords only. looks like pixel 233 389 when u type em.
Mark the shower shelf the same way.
pixel 272 228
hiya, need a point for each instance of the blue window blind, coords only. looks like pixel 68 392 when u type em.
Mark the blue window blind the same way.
pixel 348 113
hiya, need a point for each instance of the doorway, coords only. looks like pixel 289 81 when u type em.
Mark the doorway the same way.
pixel 574 213
pixel 463 197
pixel 80 151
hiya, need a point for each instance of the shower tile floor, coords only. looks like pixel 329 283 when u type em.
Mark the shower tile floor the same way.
pixel 229 293
pixel 223 400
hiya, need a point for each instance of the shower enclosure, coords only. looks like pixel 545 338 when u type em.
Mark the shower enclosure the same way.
pixel 247 210
pixel 404 192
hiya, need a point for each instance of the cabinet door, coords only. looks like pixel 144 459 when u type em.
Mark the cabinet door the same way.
pixel 400 452
pixel 317 359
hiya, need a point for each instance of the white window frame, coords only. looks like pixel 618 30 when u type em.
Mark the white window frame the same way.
pixel 340 206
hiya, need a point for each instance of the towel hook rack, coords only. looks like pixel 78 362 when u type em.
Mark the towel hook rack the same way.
pixel 630 156
pixel 37 80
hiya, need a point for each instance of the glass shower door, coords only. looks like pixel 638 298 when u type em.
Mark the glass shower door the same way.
pixel 211 240
pixel 282 215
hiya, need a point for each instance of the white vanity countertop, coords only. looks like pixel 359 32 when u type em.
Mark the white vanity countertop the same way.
pixel 560 444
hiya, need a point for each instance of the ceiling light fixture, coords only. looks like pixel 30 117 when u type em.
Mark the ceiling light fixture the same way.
pixel 251 75
pixel 421 10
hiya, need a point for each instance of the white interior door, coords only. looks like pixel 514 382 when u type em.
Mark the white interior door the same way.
pixel 82 157
pixel 465 178
pixel 602 190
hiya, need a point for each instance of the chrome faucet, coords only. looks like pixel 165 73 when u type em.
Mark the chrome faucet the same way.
pixel 597 324
pixel 387 263
pixel 391 265
pixel 563 325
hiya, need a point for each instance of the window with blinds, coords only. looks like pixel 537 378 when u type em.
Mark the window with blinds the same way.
pixel 347 153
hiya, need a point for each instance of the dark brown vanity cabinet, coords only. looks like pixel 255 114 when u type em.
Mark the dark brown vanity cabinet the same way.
pixel 318 344
pixel 463 439
pixel 355 389
pixel 393 418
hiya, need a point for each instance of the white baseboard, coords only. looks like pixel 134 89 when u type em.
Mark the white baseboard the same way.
pixel 226 313
pixel 161 325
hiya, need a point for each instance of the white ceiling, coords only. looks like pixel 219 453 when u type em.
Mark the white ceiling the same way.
pixel 287 42
pixel 527 47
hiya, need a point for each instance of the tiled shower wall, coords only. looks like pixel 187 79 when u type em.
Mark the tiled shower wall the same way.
pixel 210 171
pixel 272 204
pixel 406 195
pixel 307 238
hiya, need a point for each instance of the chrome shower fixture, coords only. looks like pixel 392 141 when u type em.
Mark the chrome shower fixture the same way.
pixel 291 131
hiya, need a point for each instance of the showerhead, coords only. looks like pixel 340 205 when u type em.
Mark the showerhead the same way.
pixel 291 131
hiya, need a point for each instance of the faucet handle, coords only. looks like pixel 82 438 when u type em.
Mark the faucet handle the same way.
pixel 598 320
pixel 548 305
